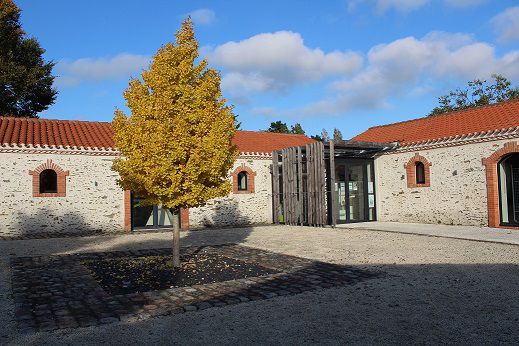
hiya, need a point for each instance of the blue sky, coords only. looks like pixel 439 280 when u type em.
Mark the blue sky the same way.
pixel 345 64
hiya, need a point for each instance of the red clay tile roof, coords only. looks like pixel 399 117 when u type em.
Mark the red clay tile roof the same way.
pixel 87 134
pixel 470 121
pixel 266 142
pixel 66 133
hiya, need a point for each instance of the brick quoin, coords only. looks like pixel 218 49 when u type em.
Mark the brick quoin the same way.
pixel 490 164
pixel 250 179
pixel 62 180
pixel 127 211
pixel 184 219
pixel 410 168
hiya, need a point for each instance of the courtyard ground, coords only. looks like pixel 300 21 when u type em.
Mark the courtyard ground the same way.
pixel 433 290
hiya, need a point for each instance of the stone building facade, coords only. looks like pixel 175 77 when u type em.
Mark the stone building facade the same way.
pixel 455 195
pixel 460 168
pixel 56 177
pixel 251 206
pixel 91 200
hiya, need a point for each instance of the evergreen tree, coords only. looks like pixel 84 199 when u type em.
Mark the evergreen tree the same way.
pixel 297 129
pixel 176 143
pixel 278 127
pixel 25 78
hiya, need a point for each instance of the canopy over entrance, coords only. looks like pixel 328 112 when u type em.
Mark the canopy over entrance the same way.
pixel 325 183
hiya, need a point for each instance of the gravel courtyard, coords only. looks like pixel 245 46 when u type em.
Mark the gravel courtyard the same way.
pixel 434 290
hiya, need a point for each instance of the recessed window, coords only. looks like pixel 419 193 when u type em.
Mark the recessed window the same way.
pixel 418 170
pixel 420 173
pixel 48 181
pixel 242 181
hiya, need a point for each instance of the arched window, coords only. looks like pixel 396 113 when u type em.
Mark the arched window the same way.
pixel 48 181
pixel 418 170
pixel 243 181
pixel 420 173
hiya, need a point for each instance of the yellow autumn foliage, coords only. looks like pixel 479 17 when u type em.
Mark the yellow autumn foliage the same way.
pixel 176 144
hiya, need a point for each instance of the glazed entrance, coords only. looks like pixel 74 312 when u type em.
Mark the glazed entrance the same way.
pixel 355 191
pixel 325 183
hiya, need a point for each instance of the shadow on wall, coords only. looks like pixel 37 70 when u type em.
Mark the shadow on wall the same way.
pixel 46 221
pixel 225 212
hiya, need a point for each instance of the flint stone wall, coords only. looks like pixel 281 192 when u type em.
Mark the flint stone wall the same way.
pixel 240 208
pixel 458 191
pixel 93 201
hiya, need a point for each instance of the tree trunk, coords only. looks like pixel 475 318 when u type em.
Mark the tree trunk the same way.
pixel 176 239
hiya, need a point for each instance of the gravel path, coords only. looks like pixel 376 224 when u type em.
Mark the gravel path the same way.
pixel 435 290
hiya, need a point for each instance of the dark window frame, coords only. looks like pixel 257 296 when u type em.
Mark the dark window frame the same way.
pixel 245 175
pixel 419 172
pixel 48 181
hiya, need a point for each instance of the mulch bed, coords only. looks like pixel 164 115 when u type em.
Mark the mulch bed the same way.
pixel 79 290
pixel 150 273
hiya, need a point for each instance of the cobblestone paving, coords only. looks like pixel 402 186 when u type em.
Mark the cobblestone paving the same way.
pixel 54 292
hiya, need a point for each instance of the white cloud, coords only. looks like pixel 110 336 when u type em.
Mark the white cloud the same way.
pixel 397 68
pixel 507 24
pixel 246 83
pixel 277 61
pixel 72 72
pixel 400 5
pixel 463 3
pixel 406 6
pixel 202 16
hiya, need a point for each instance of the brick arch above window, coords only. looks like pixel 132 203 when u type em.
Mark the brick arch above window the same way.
pixel 250 179
pixel 490 164
pixel 61 183
pixel 410 168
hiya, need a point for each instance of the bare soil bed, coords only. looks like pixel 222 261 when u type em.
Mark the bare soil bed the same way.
pixel 150 273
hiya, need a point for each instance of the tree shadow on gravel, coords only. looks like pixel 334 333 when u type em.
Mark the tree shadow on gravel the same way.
pixel 411 304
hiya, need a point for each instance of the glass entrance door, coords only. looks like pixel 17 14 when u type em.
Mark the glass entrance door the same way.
pixel 356 196
pixel 354 189
pixel 509 190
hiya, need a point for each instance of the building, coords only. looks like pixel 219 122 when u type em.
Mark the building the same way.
pixel 459 168
pixel 56 177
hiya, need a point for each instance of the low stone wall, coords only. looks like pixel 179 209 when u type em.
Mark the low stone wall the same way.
pixel 457 194
pixel 93 202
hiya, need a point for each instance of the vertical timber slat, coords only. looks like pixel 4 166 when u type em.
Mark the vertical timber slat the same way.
pixel 300 186
pixel 284 177
pixel 322 175
pixel 294 185
pixel 309 182
pixel 275 186
pixel 318 182
pixel 333 197
pixel 289 186
pixel 304 201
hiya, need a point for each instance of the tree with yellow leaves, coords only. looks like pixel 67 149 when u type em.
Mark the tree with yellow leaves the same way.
pixel 176 144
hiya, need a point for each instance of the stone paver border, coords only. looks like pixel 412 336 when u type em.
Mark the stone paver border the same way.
pixel 55 292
